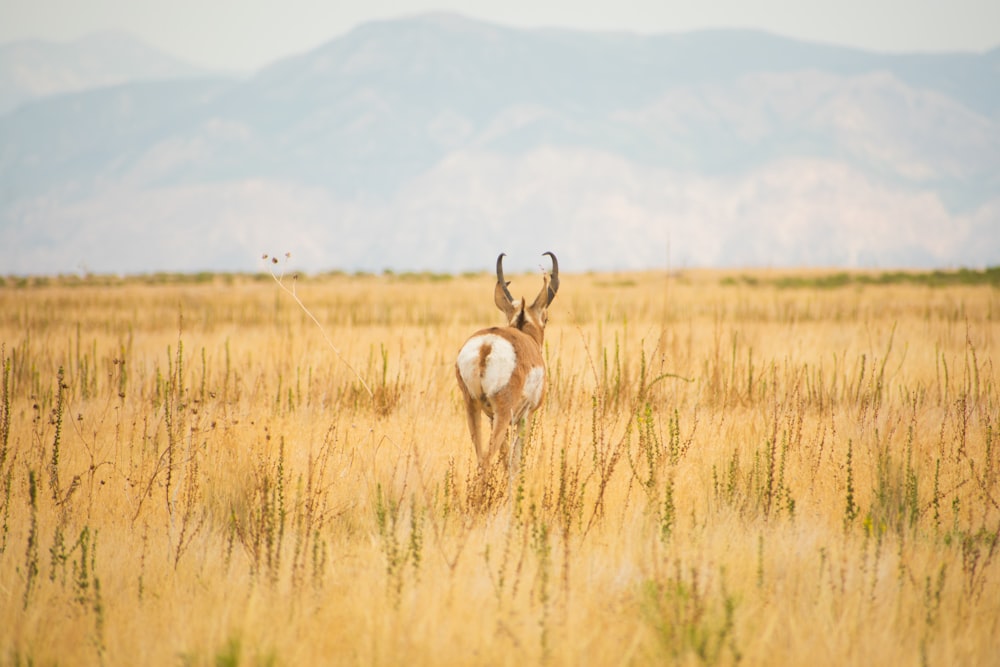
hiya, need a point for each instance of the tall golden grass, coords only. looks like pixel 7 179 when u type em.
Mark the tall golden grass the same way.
pixel 724 471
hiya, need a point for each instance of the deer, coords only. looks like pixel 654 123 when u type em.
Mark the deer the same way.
pixel 501 370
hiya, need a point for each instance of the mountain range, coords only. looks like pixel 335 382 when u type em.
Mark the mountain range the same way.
pixel 34 68
pixel 434 142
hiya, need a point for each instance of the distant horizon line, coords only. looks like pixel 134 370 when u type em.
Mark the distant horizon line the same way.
pixel 137 39
pixel 780 276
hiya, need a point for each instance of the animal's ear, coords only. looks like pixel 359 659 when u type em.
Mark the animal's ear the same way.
pixel 503 303
pixel 544 296
pixel 550 285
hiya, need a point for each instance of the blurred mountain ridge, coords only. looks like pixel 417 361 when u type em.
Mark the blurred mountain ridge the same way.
pixel 434 142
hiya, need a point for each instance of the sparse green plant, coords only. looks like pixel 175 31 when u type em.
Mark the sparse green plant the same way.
pixel 8 485
pixel 668 516
pixel 57 419
pixel 688 622
pixel 4 407
pixel 31 553
pixel 386 519
pixel 542 549
pixel 850 506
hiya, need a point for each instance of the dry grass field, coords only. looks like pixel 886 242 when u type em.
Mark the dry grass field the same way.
pixel 763 469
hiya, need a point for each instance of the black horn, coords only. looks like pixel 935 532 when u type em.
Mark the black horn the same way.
pixel 554 276
pixel 501 283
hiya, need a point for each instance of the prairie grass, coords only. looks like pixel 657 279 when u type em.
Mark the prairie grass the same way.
pixel 725 470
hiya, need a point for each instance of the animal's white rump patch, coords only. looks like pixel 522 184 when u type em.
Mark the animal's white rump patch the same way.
pixel 499 366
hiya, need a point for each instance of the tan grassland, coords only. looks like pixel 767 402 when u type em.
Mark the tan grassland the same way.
pixel 724 471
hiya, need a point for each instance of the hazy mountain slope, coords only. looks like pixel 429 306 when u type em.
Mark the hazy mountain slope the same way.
pixel 434 141
pixel 32 69
pixel 88 138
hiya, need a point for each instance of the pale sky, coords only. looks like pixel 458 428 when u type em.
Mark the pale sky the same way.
pixel 247 34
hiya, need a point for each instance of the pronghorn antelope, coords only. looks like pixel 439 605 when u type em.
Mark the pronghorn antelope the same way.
pixel 501 370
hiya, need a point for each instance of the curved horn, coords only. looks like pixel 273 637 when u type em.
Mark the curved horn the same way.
pixel 554 277
pixel 501 283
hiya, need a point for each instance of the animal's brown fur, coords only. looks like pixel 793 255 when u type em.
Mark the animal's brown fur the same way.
pixel 508 407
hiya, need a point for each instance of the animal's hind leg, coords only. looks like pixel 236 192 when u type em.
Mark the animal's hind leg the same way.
pixel 473 415
pixel 518 431
pixel 475 419
pixel 515 451
pixel 498 436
